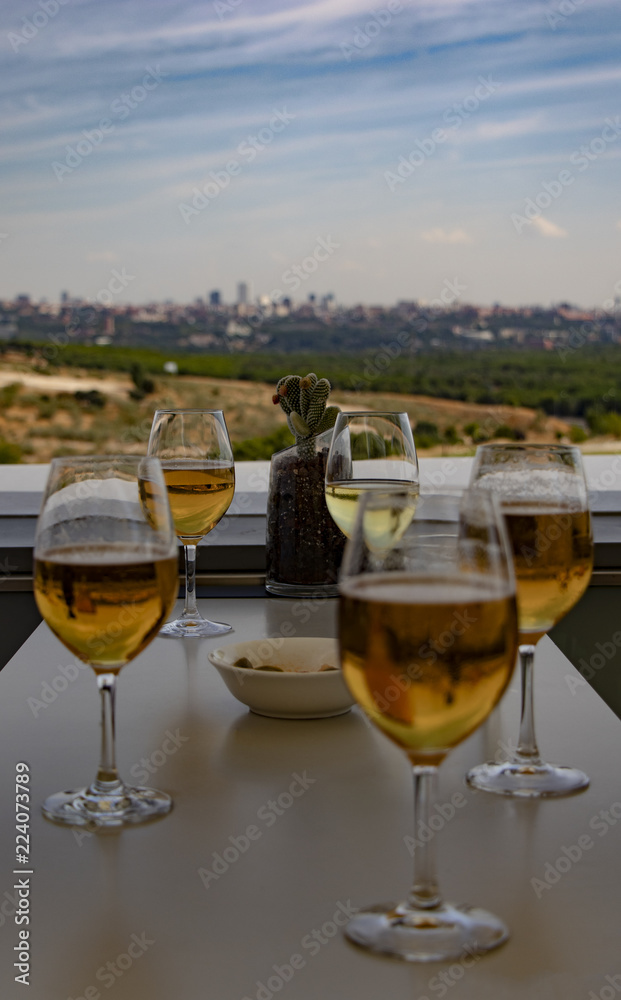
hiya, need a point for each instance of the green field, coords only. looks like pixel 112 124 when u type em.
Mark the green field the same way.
pixel 583 383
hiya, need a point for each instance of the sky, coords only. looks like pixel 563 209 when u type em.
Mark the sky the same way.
pixel 461 150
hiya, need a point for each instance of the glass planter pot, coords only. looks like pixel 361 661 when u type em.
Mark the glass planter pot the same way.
pixel 304 545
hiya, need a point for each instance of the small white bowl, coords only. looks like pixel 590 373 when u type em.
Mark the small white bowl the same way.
pixel 301 691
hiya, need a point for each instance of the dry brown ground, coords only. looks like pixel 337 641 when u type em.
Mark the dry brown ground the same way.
pixel 44 418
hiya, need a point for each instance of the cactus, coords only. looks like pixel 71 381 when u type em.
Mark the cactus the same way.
pixel 304 546
pixel 304 402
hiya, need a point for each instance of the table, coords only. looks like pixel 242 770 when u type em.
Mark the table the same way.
pixel 279 828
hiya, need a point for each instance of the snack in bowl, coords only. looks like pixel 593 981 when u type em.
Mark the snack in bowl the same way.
pixel 295 678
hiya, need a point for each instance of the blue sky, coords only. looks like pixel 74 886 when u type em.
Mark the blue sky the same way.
pixel 191 145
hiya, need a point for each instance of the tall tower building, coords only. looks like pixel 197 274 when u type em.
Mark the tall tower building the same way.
pixel 242 294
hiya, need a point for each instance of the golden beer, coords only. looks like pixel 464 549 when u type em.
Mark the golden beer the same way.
pixel 553 559
pixel 427 659
pixel 105 602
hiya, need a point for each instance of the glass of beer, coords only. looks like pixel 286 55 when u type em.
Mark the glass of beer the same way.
pixel 105 578
pixel 371 451
pixel 196 455
pixel 544 499
pixel 428 639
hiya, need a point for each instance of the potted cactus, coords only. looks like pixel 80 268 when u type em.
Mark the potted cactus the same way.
pixel 304 545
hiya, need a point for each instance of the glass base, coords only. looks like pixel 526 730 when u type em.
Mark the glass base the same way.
pixel 310 590
pixel 527 781
pixel 106 812
pixel 447 932
pixel 195 627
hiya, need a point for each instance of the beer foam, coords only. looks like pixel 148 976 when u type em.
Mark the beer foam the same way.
pixel 403 588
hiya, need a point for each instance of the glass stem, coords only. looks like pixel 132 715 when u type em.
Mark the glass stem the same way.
pixel 107 779
pixel 527 749
pixel 425 894
pixel 190 610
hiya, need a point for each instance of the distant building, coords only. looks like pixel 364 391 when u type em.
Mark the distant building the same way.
pixel 214 299
pixel 8 330
pixel 64 298
pixel 242 293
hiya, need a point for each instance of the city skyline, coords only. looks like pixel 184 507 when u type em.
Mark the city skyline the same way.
pixel 374 152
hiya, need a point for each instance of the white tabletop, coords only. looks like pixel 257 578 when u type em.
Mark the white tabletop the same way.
pixel 341 842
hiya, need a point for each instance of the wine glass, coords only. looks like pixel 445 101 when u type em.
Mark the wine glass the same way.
pixel 105 578
pixel 543 493
pixel 196 455
pixel 371 451
pixel 428 637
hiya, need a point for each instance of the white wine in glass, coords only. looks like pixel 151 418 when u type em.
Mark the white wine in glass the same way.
pixel 370 451
pixel 196 455
pixel 428 637
pixel 105 578
pixel 544 499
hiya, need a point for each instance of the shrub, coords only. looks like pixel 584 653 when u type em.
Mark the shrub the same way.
pixel 577 434
pixel 426 434
pixel 428 428
pixel 451 436
pixel 9 393
pixel 144 384
pixel 10 454
pixel 93 399
pixel 604 423
pixel 504 431
pixel 262 448
pixel 474 431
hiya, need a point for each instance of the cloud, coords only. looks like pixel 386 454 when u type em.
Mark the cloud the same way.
pixel 549 229
pixel 105 255
pixel 533 124
pixel 439 235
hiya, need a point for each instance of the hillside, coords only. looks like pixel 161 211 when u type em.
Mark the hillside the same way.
pixel 75 411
